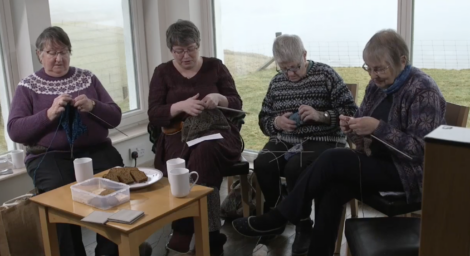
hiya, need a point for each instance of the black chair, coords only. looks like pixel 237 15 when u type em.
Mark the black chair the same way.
pixel 383 236
pixel 392 206
pixel 241 169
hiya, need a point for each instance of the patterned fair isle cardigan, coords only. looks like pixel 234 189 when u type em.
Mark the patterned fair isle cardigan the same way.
pixel 418 108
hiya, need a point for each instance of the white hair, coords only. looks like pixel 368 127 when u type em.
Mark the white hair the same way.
pixel 288 48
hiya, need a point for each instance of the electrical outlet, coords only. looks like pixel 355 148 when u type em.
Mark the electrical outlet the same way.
pixel 139 149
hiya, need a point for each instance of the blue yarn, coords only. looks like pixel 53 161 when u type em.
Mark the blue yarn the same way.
pixel 297 148
pixel 399 81
pixel 47 150
pixel 296 117
pixel 72 124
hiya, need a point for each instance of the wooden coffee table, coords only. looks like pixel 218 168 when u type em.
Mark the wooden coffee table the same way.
pixel 156 201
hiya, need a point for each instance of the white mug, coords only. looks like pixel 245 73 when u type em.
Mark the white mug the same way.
pixel 17 158
pixel 175 163
pixel 179 181
pixel 83 168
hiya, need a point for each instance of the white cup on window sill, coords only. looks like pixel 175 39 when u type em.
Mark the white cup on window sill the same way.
pixel 17 158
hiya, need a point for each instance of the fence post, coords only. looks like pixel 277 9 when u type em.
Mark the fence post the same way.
pixel 265 65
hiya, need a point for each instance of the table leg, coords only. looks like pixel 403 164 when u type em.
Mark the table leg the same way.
pixel 128 246
pixel 49 233
pixel 201 229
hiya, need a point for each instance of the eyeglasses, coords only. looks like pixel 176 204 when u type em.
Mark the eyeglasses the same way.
pixel 378 71
pixel 286 70
pixel 181 52
pixel 54 54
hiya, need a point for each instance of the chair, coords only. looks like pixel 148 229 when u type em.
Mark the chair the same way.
pixel 392 206
pixel 241 169
pixel 401 234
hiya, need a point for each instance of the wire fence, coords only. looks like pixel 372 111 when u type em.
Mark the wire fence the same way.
pixel 435 54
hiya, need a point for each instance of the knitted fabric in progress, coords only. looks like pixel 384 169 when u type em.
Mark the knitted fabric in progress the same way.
pixel 203 124
pixel 72 124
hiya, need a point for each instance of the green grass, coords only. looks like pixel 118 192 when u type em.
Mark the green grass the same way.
pixel 252 86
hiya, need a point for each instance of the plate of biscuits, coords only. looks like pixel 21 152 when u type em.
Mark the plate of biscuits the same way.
pixel 134 177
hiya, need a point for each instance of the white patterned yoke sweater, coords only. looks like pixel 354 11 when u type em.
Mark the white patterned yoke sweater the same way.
pixel 323 89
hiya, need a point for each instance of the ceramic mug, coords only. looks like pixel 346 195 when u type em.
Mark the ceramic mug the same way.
pixel 83 168
pixel 17 158
pixel 179 181
pixel 175 163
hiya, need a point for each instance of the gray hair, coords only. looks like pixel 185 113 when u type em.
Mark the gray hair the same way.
pixel 387 45
pixel 53 35
pixel 288 48
pixel 182 33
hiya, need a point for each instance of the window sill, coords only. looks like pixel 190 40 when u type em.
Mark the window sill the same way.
pixel 116 138
pixel 132 132
pixel 16 172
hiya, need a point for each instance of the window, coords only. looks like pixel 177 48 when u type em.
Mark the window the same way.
pixel 4 106
pixel 441 46
pixel 332 35
pixel 102 41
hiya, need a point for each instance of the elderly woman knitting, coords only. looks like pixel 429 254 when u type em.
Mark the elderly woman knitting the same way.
pixel 184 93
pixel 54 113
pixel 300 112
pixel 401 105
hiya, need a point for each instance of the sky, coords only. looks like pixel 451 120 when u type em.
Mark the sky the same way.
pixel 336 31
pixel 333 31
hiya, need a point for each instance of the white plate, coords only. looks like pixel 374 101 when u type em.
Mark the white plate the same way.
pixel 154 175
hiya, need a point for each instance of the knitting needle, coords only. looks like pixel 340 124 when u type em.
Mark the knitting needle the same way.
pixel 388 145
pixel 392 147
pixel 108 123
pixel 232 109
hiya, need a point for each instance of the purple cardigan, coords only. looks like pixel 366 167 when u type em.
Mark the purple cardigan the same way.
pixel 418 108
pixel 28 123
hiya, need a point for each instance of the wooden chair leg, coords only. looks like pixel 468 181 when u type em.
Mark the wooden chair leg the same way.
pixel 354 208
pixel 229 183
pixel 339 238
pixel 259 197
pixel 245 188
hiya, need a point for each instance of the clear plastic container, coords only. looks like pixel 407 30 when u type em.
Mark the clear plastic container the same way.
pixel 83 192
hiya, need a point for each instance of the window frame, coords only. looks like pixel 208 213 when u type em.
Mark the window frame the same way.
pixel 405 16
pixel 137 117
pixel 7 69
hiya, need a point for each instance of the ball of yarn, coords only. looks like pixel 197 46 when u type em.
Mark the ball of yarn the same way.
pixel 296 118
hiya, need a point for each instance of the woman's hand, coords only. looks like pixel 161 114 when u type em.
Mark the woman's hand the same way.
pixel 58 106
pixel 284 123
pixel 363 125
pixel 308 113
pixel 192 106
pixel 83 103
pixel 344 123
pixel 211 100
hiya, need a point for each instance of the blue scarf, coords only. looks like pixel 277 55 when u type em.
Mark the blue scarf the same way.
pixel 72 125
pixel 399 81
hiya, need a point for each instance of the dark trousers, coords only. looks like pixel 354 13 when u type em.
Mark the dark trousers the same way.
pixel 57 170
pixel 337 176
pixel 269 170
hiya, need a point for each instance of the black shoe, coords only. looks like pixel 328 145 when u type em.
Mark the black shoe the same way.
pixel 243 227
pixel 303 232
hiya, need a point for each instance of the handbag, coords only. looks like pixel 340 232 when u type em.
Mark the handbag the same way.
pixel 20 231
